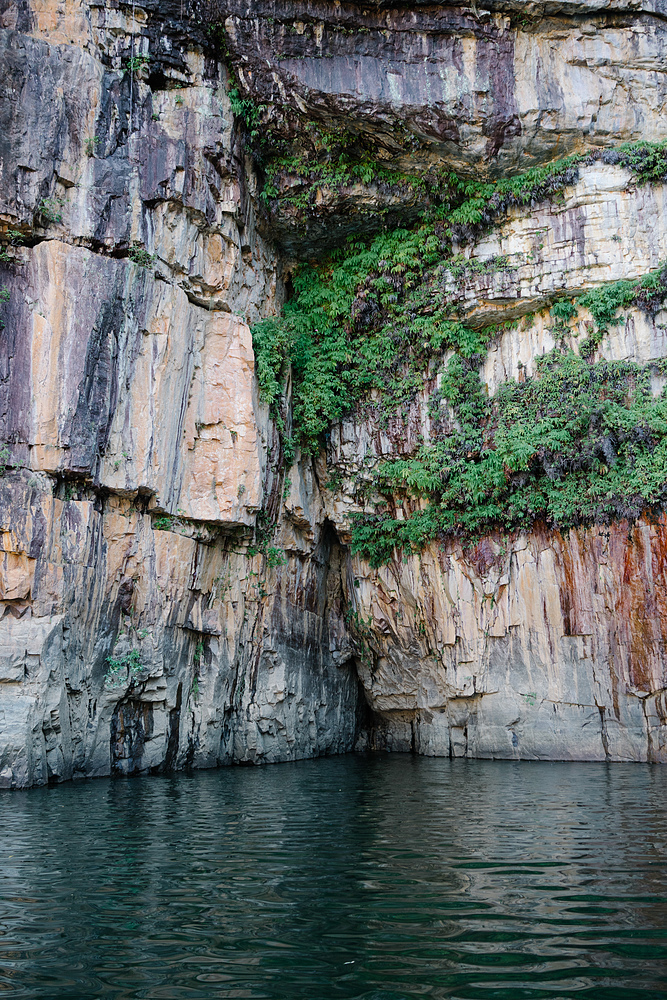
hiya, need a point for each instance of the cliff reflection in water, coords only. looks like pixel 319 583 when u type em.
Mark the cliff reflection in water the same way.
pixel 371 877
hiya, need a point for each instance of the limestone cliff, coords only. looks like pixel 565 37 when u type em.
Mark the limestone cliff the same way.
pixel 177 581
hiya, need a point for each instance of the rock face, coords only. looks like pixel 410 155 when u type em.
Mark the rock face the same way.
pixel 506 83
pixel 542 647
pixel 171 592
pixel 488 87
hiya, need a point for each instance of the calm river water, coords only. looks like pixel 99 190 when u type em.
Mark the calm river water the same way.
pixel 377 877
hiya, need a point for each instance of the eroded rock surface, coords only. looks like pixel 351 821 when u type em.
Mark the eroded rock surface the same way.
pixel 171 593
pixel 490 87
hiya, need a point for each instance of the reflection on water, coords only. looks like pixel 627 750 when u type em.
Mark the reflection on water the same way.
pixel 376 877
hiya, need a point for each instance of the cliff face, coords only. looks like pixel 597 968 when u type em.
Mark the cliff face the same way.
pixel 175 588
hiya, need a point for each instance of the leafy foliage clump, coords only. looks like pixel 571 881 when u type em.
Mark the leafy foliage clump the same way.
pixel 138 254
pixel 247 111
pixel 646 160
pixel 483 202
pixel 125 668
pixel 369 320
pixel 339 171
pixel 49 211
pixel 368 327
pixel 371 317
pixel 578 442
pixel 164 523
pixel 606 301
pixel 136 64
pixel 275 557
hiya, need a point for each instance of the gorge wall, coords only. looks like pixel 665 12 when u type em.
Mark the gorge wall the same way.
pixel 180 578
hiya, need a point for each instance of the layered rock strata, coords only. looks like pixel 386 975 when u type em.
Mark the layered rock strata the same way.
pixel 171 593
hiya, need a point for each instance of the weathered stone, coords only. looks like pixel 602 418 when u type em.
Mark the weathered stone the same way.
pixel 140 629
pixel 490 88
pixel 548 646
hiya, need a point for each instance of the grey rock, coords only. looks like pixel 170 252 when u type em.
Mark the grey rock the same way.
pixel 170 596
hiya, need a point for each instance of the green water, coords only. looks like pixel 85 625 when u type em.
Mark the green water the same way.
pixel 376 877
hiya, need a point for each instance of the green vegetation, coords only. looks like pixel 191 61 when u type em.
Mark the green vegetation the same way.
pixel 338 161
pixel 4 459
pixel 340 171
pixel 335 158
pixel 48 210
pixel 562 312
pixel 15 238
pixel 373 316
pixel 245 109
pixel 646 160
pixel 263 532
pixel 577 442
pixel 362 633
pixel 135 64
pixel 606 301
pixel 368 327
pixel 264 528
pixel 127 667
pixel 165 523
pixel 138 254
pixel 275 557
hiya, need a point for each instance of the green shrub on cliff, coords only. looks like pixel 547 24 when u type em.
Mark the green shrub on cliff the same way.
pixel 136 65
pixel 123 669
pixel 607 301
pixel 247 111
pixel 369 319
pixel 341 171
pixel 49 211
pixel 367 328
pixel 165 523
pixel 372 317
pixel 138 254
pixel 483 202
pixel 646 160
pixel 576 442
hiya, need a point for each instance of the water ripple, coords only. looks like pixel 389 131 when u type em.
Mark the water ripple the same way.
pixel 361 878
